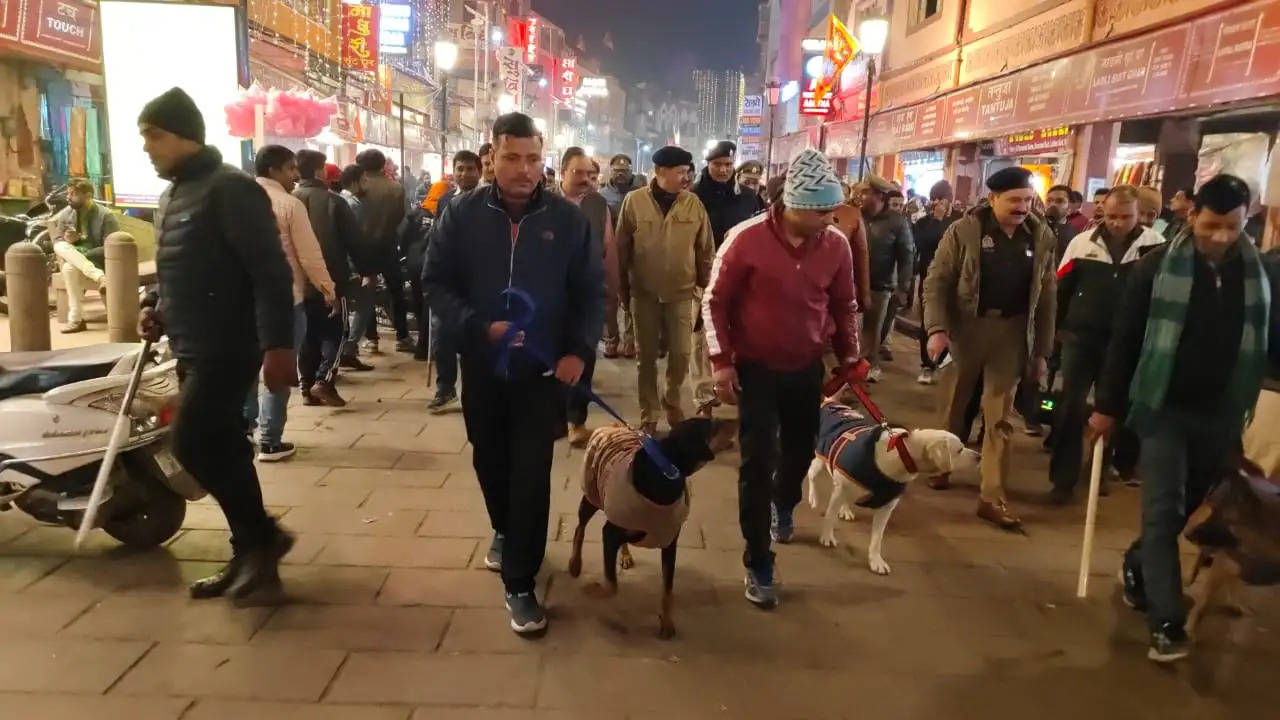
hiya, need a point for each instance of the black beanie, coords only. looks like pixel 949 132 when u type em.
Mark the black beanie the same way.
pixel 175 112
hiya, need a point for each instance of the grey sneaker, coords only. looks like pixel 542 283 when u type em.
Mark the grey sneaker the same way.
pixel 1169 644
pixel 527 615
pixel 761 591
pixel 493 558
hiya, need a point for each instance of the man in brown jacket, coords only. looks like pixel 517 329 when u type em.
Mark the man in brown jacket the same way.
pixel 384 208
pixel 989 298
pixel 665 251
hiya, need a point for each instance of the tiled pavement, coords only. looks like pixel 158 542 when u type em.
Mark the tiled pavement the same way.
pixel 394 618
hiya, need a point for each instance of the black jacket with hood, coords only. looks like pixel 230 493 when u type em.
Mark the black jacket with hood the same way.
pixel 477 251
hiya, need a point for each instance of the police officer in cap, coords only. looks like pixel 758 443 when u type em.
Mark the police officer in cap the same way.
pixel 665 250
pixel 989 299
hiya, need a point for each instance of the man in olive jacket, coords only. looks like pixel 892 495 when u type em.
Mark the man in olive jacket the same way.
pixel 989 298
pixel 665 251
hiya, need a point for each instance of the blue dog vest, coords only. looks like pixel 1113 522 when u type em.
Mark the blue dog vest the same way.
pixel 848 442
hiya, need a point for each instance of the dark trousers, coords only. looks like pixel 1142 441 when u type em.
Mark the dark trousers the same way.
pixel 445 356
pixel 1081 365
pixel 576 401
pixel 512 427
pixel 778 413
pixel 926 363
pixel 1182 455
pixel 318 354
pixel 398 306
pixel 208 438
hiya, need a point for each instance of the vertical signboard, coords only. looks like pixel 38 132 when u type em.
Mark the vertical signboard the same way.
pixel 360 37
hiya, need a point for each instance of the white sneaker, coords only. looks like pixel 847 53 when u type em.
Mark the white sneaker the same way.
pixel 874 375
pixel 925 377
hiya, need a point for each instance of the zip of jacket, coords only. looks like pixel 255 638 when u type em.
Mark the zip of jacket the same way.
pixel 515 239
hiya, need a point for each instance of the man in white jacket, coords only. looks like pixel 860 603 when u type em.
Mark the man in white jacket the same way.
pixel 277 172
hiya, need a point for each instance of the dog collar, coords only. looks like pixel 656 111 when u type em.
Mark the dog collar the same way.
pixel 898 443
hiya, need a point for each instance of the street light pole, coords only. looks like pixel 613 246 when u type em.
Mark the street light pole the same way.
pixel 444 119
pixel 866 117
pixel 772 96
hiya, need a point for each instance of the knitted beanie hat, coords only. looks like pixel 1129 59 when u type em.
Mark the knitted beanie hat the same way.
pixel 175 112
pixel 812 184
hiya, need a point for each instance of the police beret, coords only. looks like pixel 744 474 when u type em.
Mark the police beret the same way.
pixel 672 156
pixel 723 149
pixel 1010 178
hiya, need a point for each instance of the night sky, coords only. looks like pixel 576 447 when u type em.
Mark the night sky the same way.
pixel 661 41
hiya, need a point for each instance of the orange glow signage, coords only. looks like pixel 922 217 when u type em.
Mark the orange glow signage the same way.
pixel 840 49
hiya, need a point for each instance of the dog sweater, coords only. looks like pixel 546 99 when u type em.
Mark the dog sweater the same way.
pixel 607 484
pixel 848 442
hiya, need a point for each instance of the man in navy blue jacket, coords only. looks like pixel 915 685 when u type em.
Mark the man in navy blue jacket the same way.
pixel 515 234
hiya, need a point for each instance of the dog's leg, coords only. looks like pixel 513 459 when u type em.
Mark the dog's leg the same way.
pixel 666 627
pixel 625 561
pixel 878 522
pixel 811 479
pixel 613 538
pixel 585 512
pixel 827 536
pixel 1233 588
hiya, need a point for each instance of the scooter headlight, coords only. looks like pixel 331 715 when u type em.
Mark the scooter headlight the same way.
pixel 143 415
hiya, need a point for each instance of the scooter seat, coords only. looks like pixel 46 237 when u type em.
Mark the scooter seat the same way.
pixel 28 373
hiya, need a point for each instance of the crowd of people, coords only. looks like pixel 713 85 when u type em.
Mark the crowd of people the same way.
pixel 518 277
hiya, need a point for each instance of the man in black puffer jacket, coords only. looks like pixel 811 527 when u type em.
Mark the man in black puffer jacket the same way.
pixel 226 302
pixel 726 203
pixel 339 234
pixel 516 234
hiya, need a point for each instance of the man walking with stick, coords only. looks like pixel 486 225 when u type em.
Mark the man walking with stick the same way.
pixel 226 303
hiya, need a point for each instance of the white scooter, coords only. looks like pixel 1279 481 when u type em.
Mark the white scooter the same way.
pixel 57 410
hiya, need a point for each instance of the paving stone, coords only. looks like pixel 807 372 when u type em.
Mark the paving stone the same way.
pixel 167 616
pixel 224 709
pixel 369 479
pixel 27 706
pixel 398 552
pixel 20 616
pixel 327 457
pixel 96 577
pixel 384 521
pixel 437 679
pixel 215 546
pixel 65 666
pixel 356 627
pixel 317 584
pixel 424 499
pixel 17 573
pixel 456 523
pixel 266 672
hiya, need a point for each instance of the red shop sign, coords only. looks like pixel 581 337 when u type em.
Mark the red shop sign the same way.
pixel 9 19
pixel 55 30
pixel 1233 54
pixel 360 37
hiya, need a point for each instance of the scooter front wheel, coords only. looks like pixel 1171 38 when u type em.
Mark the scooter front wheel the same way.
pixel 148 513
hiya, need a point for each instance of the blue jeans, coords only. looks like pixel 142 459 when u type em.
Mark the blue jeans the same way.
pixel 1183 455
pixel 271 410
pixel 360 301
pixel 446 358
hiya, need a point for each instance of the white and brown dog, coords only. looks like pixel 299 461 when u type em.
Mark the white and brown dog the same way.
pixel 882 460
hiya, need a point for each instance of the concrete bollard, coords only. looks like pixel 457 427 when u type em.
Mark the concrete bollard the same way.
pixel 26 276
pixel 121 266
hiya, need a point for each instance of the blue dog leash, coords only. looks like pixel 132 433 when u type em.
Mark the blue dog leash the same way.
pixel 524 320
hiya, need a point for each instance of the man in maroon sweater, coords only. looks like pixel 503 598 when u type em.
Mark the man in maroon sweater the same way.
pixel 779 283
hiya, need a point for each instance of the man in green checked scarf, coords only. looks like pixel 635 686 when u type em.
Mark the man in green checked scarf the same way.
pixel 1195 327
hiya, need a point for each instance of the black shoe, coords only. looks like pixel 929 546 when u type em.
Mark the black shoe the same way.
pixel 1134 593
pixel 1169 643
pixel 351 362
pixel 217 584
pixel 258 580
pixel 276 452
pixel 442 402
pixel 527 615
